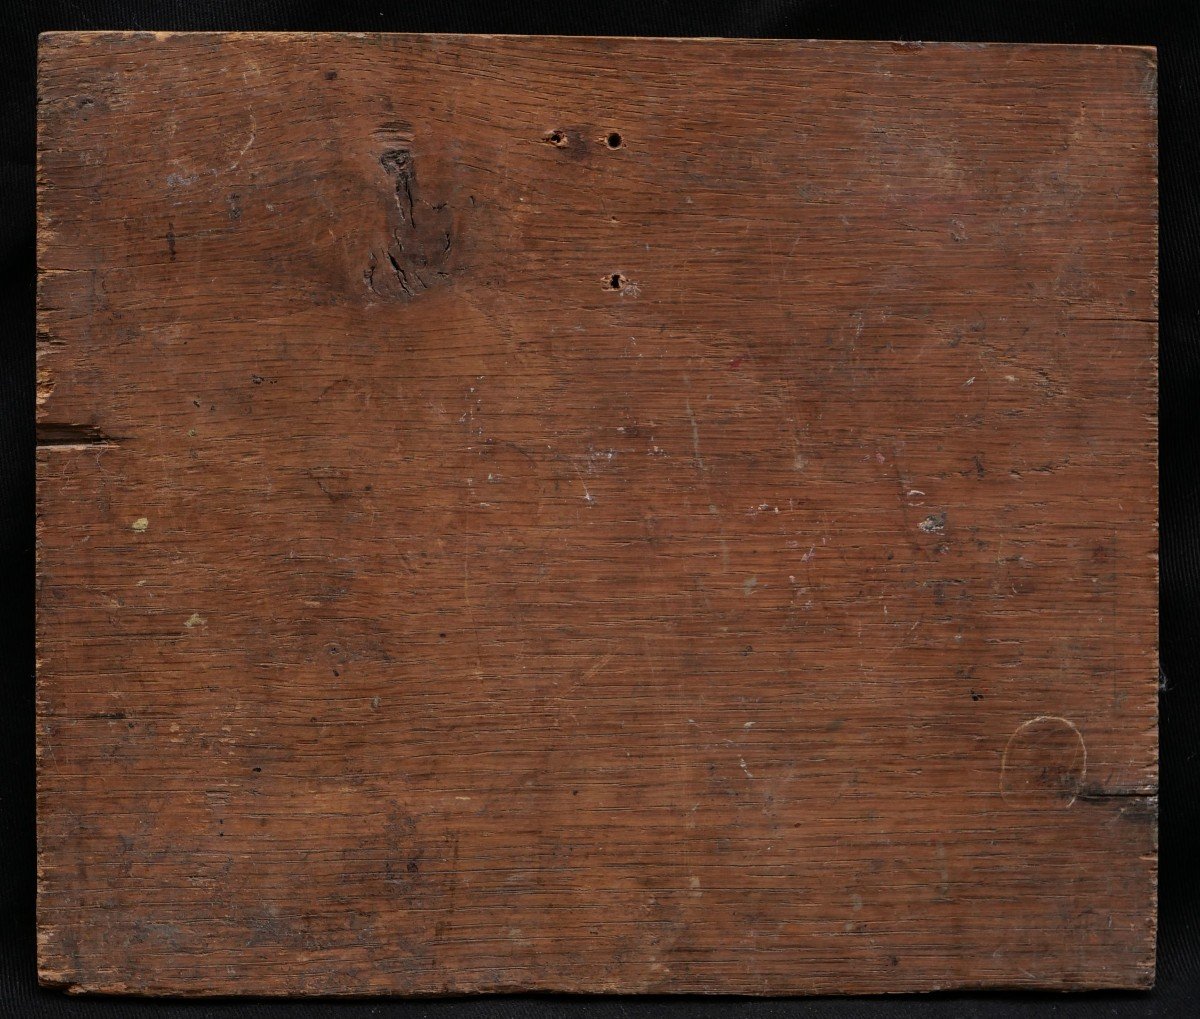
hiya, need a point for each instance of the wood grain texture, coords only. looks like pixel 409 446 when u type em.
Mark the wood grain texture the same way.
pixel 595 514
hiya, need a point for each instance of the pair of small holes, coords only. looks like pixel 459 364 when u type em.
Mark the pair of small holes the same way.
pixel 560 140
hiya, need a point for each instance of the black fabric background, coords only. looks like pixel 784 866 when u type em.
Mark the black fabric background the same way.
pixel 1173 28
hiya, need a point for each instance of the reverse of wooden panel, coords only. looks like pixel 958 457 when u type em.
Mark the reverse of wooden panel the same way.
pixel 595 515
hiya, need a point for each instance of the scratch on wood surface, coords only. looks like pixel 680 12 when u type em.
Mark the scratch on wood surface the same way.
pixel 695 434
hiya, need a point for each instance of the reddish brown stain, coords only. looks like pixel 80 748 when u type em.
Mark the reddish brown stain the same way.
pixel 574 567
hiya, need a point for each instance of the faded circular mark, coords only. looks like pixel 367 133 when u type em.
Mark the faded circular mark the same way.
pixel 1044 764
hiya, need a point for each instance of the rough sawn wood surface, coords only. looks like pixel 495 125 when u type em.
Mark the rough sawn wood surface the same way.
pixel 595 515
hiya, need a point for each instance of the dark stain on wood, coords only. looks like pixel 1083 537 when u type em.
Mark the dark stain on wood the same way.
pixel 417 255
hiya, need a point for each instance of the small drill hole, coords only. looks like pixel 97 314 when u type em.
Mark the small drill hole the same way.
pixel 614 281
pixel 614 140
pixel 556 138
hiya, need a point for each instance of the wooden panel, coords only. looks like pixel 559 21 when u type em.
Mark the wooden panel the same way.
pixel 595 514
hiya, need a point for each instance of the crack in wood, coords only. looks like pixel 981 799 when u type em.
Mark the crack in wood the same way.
pixel 53 434
pixel 417 256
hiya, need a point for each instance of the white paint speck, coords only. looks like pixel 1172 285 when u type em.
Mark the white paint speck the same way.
pixel 935 523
